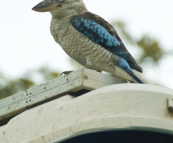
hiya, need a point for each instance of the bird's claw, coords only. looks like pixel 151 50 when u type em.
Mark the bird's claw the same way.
pixel 65 72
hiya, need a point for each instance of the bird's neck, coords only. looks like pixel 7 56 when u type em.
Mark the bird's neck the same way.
pixel 69 12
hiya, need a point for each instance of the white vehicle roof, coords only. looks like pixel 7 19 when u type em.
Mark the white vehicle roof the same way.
pixel 110 108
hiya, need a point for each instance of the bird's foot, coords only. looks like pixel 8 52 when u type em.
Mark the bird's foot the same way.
pixel 65 72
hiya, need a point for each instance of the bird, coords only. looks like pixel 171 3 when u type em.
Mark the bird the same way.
pixel 89 39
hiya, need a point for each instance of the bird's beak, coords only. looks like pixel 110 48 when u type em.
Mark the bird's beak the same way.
pixel 45 6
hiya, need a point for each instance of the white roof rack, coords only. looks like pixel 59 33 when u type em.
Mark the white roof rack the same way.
pixel 73 82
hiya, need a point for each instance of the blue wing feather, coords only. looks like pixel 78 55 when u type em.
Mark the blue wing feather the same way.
pixel 95 32
pixel 101 32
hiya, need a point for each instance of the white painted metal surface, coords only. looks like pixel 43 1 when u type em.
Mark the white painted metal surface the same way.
pixel 75 81
pixel 114 107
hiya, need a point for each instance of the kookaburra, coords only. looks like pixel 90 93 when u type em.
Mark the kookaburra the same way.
pixel 89 39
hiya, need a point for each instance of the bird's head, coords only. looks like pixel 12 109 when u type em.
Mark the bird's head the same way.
pixel 60 7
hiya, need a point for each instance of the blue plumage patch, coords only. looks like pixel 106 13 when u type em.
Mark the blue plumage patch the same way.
pixel 124 65
pixel 99 31
pixel 95 32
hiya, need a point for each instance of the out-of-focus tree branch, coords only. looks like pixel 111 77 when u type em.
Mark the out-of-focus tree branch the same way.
pixel 11 86
pixel 150 48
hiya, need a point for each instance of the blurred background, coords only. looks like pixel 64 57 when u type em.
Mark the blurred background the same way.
pixel 30 56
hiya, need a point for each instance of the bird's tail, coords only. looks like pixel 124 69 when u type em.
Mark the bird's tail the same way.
pixel 134 76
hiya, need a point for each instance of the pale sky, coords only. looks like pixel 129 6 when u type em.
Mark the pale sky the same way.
pixel 26 42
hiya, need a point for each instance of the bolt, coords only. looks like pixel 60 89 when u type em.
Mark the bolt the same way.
pixel 85 77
